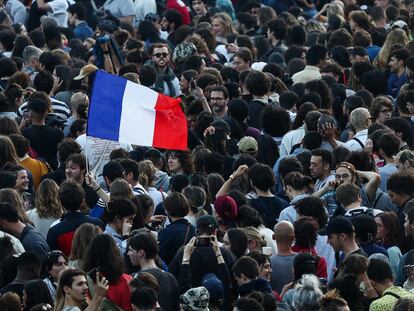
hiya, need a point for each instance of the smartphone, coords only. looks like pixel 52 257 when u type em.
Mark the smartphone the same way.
pixel 193 85
pixel 92 274
pixel 203 241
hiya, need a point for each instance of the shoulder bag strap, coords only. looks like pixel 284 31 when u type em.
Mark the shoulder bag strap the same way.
pixel 359 142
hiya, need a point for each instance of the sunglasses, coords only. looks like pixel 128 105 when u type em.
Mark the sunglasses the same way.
pixel 159 55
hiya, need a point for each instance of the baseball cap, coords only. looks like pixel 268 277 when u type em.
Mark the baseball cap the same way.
pixel 339 224
pixel 207 221
pixel 214 286
pixel 85 71
pixel 112 170
pixel 248 144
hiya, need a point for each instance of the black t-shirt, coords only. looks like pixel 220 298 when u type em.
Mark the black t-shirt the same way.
pixel 14 288
pixel 269 209
pixel 33 19
pixel 44 140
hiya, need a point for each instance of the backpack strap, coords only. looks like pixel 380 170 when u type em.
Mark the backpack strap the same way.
pixel 392 294
pixel 359 142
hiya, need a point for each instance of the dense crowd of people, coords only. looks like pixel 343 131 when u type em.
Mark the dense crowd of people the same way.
pixel 296 191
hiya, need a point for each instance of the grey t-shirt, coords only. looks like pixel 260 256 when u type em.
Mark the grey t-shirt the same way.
pixel 282 273
pixel 70 308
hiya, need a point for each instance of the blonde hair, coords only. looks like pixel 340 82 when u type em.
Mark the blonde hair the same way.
pixel 396 36
pixel 146 173
pixel 226 21
pixel 47 200
pixel 11 196
pixel 336 9
pixel 254 234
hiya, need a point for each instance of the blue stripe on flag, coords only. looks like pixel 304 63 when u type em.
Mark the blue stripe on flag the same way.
pixel 105 108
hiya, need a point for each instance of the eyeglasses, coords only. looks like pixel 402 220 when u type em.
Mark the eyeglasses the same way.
pixel 385 111
pixel 216 99
pixel 159 55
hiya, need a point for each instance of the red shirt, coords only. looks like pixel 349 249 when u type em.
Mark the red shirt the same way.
pixel 321 268
pixel 119 293
pixel 180 6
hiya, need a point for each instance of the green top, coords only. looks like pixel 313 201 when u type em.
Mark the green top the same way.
pixel 387 301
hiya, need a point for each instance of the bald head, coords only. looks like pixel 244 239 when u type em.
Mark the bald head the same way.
pixel 77 99
pixel 284 232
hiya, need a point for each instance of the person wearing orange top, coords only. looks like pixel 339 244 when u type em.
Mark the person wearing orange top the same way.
pixel 36 167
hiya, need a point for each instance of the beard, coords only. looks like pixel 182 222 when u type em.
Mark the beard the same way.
pixel 217 108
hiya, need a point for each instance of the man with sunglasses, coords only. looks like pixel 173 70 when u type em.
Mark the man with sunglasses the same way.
pixel 166 83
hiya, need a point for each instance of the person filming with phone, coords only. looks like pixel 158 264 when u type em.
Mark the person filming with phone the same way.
pixel 202 255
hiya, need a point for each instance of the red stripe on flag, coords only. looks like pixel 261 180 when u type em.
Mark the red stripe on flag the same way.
pixel 170 130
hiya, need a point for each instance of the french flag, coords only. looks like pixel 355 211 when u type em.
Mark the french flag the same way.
pixel 123 111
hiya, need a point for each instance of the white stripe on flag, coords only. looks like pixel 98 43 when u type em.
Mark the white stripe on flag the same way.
pixel 138 115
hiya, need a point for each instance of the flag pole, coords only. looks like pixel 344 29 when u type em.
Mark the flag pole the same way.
pixel 86 154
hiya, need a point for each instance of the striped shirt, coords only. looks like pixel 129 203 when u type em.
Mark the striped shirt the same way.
pixel 59 108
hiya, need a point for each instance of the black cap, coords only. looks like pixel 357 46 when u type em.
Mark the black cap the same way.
pixel 207 221
pixel 113 170
pixel 37 105
pixel 339 224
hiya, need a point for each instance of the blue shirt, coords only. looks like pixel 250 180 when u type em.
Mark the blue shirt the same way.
pixel 373 51
pixel 395 83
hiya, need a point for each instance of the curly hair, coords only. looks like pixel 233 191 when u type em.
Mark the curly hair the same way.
pixel 185 159
pixel 146 173
pixel 47 200
pixel 305 232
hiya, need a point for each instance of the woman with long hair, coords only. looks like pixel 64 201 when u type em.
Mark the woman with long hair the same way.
pixel 196 197
pixel 81 240
pixel 390 236
pixel 222 26
pixel 7 152
pixel 15 97
pixel 11 196
pixel 147 178
pixel 47 207
pixel 104 255
pixel 395 36
pixel 235 240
